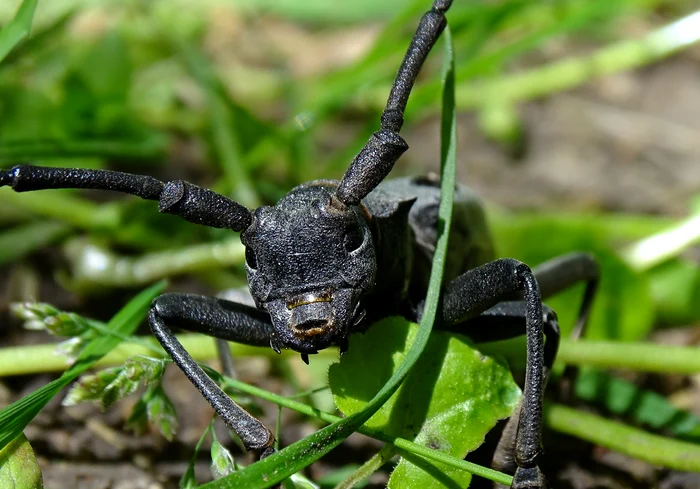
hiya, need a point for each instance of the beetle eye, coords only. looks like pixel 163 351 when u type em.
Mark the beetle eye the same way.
pixel 250 258
pixel 353 239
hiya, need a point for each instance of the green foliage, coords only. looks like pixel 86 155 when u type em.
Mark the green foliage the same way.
pixel 222 463
pixel 453 396
pixel 110 385
pixel 18 466
pixel 15 417
pixel 643 406
pixel 623 308
pixel 18 28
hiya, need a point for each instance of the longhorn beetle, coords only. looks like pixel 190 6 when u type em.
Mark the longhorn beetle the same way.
pixel 331 258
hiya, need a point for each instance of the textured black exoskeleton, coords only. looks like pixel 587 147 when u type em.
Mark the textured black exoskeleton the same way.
pixel 333 257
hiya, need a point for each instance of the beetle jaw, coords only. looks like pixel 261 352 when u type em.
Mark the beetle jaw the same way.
pixel 313 321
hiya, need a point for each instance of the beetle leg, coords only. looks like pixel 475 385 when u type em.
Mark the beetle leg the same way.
pixel 560 273
pixel 224 320
pixel 503 321
pixel 480 289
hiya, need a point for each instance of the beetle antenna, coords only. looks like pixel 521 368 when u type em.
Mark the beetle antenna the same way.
pixel 377 158
pixel 190 202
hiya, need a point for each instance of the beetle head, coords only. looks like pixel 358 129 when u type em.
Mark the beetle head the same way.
pixel 309 261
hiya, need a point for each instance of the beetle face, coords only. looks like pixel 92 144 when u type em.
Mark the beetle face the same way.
pixel 309 261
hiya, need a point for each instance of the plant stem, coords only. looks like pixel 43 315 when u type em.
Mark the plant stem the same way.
pixel 569 73
pixel 654 449
pixel 22 360
pixel 658 248
pixel 644 357
pixel 369 467
pixel 65 207
pixel 399 443
pixel 573 72
pixel 93 265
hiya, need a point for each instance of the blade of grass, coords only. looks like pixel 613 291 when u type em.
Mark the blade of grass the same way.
pixel 22 240
pixel 569 73
pixel 15 417
pixel 286 462
pixel 18 28
pixel 223 132
pixel 656 249
pixel 151 148
pixel 654 449
pixel 643 357
pixel 63 206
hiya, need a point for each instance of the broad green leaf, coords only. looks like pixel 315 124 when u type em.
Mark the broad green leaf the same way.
pixel 18 466
pixel 449 401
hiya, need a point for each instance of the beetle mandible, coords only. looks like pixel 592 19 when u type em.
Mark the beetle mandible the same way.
pixel 332 257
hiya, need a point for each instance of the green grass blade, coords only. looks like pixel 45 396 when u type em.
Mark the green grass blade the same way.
pixel 152 148
pixel 654 449
pixel 18 28
pixel 286 462
pixel 325 13
pixel 225 138
pixel 15 417
pixel 22 240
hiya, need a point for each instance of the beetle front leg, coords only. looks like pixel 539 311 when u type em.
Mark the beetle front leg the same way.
pixel 503 321
pixel 562 272
pixel 221 319
pixel 478 290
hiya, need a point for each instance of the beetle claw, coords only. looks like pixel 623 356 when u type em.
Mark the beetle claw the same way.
pixel 344 343
pixel 274 345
